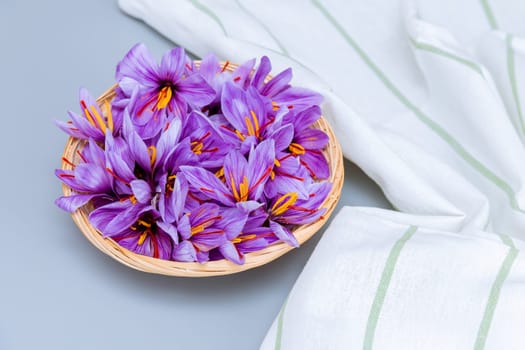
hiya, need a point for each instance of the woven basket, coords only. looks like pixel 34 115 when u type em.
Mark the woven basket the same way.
pixel 211 268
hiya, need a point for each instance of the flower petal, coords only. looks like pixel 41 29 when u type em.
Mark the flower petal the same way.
pixel 284 234
pixel 195 90
pixel 265 67
pixel 141 190
pixel 138 65
pixel 208 184
pixel 169 229
pixel 282 137
pixel 172 64
pixel 73 202
pixel 278 83
pixel 184 251
pixel 260 164
pixel 312 139
pixel 230 252
pixel 316 164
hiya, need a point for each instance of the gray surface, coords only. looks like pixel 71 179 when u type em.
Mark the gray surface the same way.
pixel 59 292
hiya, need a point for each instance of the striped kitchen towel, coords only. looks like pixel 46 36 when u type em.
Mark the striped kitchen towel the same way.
pixel 373 283
pixel 427 98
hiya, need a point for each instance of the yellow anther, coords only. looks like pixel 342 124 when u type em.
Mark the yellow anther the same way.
pixel 142 237
pixel 164 97
pixel 244 188
pixel 240 135
pixel 152 150
pixel 276 162
pixel 144 223
pixel 89 117
pixel 255 123
pixel 275 106
pixel 107 107
pixel 100 121
pixel 284 203
pixel 196 147
pixel 296 148
pixel 243 238
pixel 249 126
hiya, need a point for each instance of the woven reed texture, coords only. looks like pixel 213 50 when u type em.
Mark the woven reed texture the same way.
pixel 211 268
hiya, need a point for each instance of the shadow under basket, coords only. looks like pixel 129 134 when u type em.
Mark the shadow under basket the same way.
pixel 211 268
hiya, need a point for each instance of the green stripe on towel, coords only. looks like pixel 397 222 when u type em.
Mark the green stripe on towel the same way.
pixel 382 289
pixel 435 127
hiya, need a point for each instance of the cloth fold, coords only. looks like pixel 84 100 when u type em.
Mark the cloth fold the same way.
pixel 426 97
pixel 373 283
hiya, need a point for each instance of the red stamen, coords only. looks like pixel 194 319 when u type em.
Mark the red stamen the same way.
pixel 83 104
pixel 237 78
pixel 264 176
pixel 308 168
pixel 189 67
pixel 74 129
pixel 116 176
pixel 204 137
pixel 195 198
pixel 167 126
pixel 280 172
pixel 71 176
pixel 65 160
pixel 206 190
pixel 211 232
pixel 290 107
pixel 81 156
pixel 285 157
pixel 228 128
pixel 226 64
pixel 302 209
pixel 145 105
pixel 155 246
pixel 211 150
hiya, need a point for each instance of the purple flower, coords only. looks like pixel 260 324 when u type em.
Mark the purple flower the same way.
pixel 89 179
pixel 195 162
pixel 146 237
pixel 283 95
pixel 246 112
pixel 244 179
pixel 92 124
pixel 289 210
pixel 308 142
pixel 206 227
pixel 164 91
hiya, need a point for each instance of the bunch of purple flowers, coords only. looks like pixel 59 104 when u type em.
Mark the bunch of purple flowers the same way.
pixel 198 162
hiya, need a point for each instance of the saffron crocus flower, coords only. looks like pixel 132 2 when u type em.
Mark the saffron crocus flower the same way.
pixel 205 228
pixel 88 179
pixel 164 89
pixel 92 123
pixel 289 210
pixel 217 74
pixel 284 96
pixel 244 179
pixel 308 142
pixel 207 142
pixel 254 236
pixel 246 112
pixel 146 237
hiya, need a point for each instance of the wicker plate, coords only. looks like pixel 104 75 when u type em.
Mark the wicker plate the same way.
pixel 211 268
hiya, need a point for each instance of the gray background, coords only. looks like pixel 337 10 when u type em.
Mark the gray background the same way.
pixel 56 290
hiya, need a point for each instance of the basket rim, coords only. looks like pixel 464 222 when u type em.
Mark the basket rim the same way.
pixel 216 267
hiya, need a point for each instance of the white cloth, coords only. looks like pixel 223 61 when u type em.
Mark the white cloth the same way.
pixel 426 97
